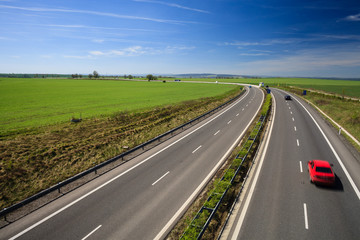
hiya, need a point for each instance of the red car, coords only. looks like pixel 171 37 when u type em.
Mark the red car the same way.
pixel 320 172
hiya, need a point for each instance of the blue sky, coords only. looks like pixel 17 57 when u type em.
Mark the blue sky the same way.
pixel 268 38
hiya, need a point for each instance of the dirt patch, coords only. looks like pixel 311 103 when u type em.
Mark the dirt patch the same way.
pixel 322 102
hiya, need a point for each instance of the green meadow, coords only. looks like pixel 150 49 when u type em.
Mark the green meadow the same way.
pixel 26 103
pixel 349 88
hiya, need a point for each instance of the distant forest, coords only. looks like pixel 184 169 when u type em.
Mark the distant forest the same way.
pixel 34 75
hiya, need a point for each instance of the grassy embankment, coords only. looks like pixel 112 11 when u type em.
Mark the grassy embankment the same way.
pixel 40 147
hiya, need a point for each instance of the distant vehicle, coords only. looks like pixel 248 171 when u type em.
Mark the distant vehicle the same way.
pixel 287 97
pixel 177 80
pixel 320 172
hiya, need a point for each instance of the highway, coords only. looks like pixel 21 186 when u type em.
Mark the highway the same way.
pixel 143 198
pixel 279 201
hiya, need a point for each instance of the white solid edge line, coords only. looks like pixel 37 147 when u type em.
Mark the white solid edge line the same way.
pixel 123 173
pixel 251 191
pixel 306 217
pixel 160 178
pixel 91 232
pixel 203 183
pixel 352 183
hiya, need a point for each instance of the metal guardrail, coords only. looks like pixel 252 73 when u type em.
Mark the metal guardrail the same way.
pixel 157 140
pixel 209 212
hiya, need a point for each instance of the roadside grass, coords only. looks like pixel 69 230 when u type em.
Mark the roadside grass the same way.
pixel 32 103
pixel 38 158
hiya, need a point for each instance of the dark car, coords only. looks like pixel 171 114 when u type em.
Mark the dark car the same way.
pixel 287 97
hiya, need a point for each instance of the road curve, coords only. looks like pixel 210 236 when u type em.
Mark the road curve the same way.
pixel 283 204
pixel 143 198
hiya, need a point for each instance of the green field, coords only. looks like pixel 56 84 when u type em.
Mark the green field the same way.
pixel 36 102
pixel 346 87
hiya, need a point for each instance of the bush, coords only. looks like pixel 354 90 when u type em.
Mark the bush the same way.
pixel 266 105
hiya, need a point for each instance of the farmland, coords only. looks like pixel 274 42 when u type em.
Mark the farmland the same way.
pixel 28 103
pixel 40 147
pixel 349 88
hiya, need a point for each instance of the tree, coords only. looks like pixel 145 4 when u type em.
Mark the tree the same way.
pixel 151 77
pixel 90 75
pixel 96 74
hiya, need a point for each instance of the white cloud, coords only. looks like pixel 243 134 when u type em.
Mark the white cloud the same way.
pixel 263 43
pixel 139 50
pixel 46 56
pixel 353 18
pixel 173 5
pixel 253 54
pixel 98 40
pixel 307 62
pixel 105 14
pixel 338 37
pixel 93 27
pixel 97 53
pixel 6 38
pixel 79 57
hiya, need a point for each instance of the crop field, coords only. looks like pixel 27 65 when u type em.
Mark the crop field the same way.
pixel 349 88
pixel 39 147
pixel 26 103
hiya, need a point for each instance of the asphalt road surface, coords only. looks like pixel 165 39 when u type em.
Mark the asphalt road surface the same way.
pixel 143 198
pixel 280 202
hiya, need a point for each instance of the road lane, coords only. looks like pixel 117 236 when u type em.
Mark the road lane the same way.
pixel 285 205
pixel 128 206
